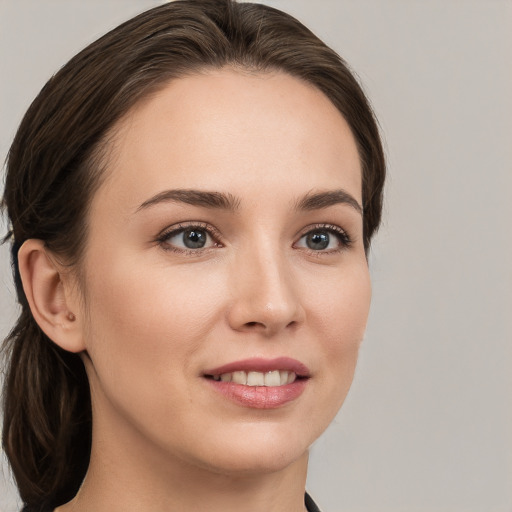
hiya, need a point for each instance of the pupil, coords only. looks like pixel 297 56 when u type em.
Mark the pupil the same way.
pixel 194 239
pixel 317 241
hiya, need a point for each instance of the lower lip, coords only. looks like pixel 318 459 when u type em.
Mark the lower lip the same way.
pixel 260 397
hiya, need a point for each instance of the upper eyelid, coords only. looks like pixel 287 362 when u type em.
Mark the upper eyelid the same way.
pixel 325 226
pixel 182 226
pixel 208 227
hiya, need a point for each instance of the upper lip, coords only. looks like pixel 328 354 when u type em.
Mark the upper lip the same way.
pixel 258 364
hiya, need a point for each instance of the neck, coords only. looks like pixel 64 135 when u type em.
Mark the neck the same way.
pixel 127 474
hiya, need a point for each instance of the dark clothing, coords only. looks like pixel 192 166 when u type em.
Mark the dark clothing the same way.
pixel 310 505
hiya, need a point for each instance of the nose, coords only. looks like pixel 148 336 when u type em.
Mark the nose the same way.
pixel 264 296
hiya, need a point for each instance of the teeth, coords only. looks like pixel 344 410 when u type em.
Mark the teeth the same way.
pixel 272 378
pixel 255 379
pixel 239 377
pixel 268 379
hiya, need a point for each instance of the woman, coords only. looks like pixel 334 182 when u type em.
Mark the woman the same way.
pixel 192 199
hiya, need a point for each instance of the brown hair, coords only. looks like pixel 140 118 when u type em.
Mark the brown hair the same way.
pixel 54 167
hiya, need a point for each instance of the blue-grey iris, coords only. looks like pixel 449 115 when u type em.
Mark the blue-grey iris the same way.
pixel 194 239
pixel 318 240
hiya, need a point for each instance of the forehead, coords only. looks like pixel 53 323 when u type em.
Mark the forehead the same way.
pixel 233 131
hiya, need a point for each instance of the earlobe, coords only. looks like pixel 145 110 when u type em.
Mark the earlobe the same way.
pixel 49 296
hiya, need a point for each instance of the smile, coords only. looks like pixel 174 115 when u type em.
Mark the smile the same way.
pixel 260 383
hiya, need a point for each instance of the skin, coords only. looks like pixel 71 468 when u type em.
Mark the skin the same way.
pixel 150 317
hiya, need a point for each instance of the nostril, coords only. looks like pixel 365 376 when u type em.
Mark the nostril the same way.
pixel 252 325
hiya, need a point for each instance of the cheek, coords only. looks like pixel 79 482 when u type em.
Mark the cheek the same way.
pixel 339 307
pixel 338 316
pixel 146 319
pixel 146 324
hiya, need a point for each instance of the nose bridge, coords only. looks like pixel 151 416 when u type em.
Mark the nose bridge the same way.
pixel 264 294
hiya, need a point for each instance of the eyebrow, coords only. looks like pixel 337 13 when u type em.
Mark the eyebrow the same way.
pixel 319 200
pixel 222 201
pixel 215 200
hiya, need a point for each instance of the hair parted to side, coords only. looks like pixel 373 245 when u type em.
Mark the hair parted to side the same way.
pixel 55 166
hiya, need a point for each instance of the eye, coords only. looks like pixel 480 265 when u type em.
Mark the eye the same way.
pixel 324 239
pixel 188 238
pixel 191 238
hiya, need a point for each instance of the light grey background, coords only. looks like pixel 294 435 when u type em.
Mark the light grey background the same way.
pixel 427 425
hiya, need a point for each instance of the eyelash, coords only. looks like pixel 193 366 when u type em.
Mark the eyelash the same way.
pixel 163 238
pixel 343 237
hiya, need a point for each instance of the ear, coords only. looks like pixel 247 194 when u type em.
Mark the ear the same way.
pixel 51 296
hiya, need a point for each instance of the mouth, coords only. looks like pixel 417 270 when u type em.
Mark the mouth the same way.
pixel 260 383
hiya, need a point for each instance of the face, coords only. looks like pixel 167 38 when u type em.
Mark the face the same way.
pixel 226 284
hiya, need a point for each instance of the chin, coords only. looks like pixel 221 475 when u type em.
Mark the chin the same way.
pixel 255 462
pixel 251 449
